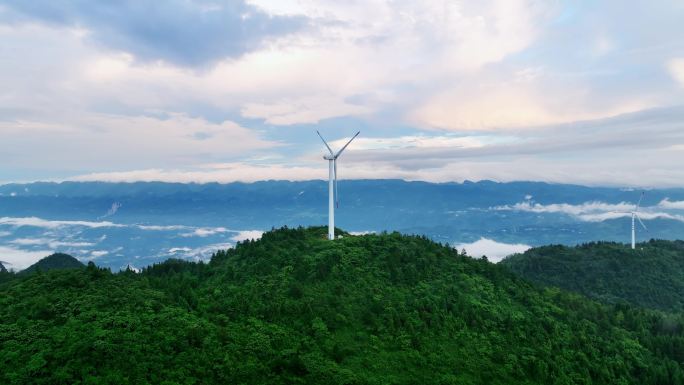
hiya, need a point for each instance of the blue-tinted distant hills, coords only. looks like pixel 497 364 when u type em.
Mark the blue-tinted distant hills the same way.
pixel 138 223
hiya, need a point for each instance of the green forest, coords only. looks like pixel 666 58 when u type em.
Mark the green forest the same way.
pixel 651 276
pixel 294 308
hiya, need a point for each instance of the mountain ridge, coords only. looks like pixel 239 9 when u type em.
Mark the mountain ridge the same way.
pixel 651 276
pixel 295 307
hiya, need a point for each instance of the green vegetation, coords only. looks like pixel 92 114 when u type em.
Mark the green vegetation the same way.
pixel 4 274
pixel 56 261
pixel 294 308
pixel 651 276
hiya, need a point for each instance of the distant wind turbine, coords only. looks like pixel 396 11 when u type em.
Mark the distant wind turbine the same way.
pixel 332 182
pixel 635 215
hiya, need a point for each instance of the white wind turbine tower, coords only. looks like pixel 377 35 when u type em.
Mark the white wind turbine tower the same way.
pixel 635 215
pixel 332 182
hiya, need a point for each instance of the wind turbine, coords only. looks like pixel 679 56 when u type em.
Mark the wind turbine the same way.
pixel 635 215
pixel 332 182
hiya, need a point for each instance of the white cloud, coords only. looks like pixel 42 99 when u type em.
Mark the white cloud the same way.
pixel 362 232
pixel 205 232
pixel 18 259
pixel 668 204
pixel 676 68
pixel 420 141
pixel 305 110
pixel 592 211
pixel 202 253
pixel 495 251
pixel 100 139
pixel 52 243
pixel 449 164
pixel 162 227
pixel 55 224
pixel 395 66
pixel 247 234
pixel 174 250
pixel 227 172
pixel 496 101
pixel 351 50
pixel 30 241
pixel 48 224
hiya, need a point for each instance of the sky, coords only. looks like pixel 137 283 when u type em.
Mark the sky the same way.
pixel 587 92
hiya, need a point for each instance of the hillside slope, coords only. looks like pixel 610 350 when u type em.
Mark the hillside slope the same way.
pixel 295 308
pixel 651 276
pixel 56 261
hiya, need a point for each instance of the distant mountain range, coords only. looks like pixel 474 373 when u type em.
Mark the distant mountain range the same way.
pixel 117 224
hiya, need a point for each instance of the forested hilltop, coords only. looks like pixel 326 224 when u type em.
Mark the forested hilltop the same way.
pixel 56 261
pixel 296 308
pixel 651 276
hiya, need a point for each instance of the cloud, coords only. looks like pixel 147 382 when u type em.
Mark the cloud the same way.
pixel 18 259
pixel 536 90
pixel 202 253
pixel 174 250
pixel 247 234
pixel 593 211
pixel 201 232
pixel 505 105
pixel 99 139
pixel 673 205
pixel 162 227
pixel 629 150
pixel 52 243
pixel 49 224
pixel 420 141
pixel 362 232
pixel 227 172
pixel 495 251
pixel 676 67
pixel 303 110
pixel 187 33
pixel 205 232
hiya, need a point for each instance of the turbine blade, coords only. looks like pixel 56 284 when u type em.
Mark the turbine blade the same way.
pixel 345 146
pixel 642 223
pixel 324 142
pixel 639 203
pixel 337 198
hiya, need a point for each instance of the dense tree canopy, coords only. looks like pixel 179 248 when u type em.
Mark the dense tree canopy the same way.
pixel 296 308
pixel 651 276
